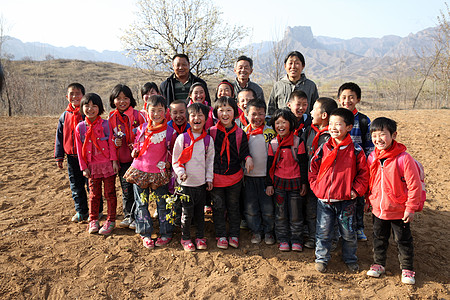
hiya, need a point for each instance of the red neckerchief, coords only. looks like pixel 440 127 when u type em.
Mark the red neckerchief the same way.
pixel 282 142
pixel 299 129
pixel 145 106
pixel 178 129
pixel 90 136
pixel 327 161
pixel 394 150
pixel 186 154
pixel 149 132
pixel 125 124
pixel 315 143
pixel 251 131
pixel 76 116
pixel 243 119
pixel 226 142
pixel 355 111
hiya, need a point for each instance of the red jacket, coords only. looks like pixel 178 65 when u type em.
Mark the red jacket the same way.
pixel 348 172
pixel 393 193
pixel 65 136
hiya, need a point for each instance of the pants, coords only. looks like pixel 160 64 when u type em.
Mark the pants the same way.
pixel 360 213
pixel 258 207
pixel 311 214
pixel 95 197
pixel 402 236
pixel 193 209
pixel 77 185
pixel 289 216
pixel 226 199
pixel 127 192
pixel 327 214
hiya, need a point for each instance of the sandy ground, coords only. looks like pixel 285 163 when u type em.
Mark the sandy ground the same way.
pixel 45 256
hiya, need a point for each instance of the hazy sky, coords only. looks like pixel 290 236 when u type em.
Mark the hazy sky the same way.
pixel 98 24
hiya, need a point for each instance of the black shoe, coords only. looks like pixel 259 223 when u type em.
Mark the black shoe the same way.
pixel 353 267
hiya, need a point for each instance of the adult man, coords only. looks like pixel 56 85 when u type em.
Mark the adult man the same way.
pixel 177 85
pixel 243 68
pixel 295 79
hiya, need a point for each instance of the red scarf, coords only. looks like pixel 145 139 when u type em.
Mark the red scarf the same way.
pixel 315 143
pixel 243 119
pixel 149 132
pixel 299 129
pixel 394 150
pixel 90 136
pixel 186 154
pixel 282 142
pixel 328 161
pixel 251 131
pixel 178 129
pixel 226 142
pixel 76 116
pixel 355 111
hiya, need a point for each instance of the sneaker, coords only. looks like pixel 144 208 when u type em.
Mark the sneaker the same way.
pixel 93 226
pixel 353 267
pixel 187 245
pixel 297 247
pixel 233 242
pixel 284 246
pixel 361 236
pixel 132 225
pixel 321 267
pixel 256 238
pixel 376 271
pixel 310 244
pixel 408 277
pixel 222 243
pixel 125 223
pixel 148 242
pixel 243 224
pixel 162 241
pixel 79 217
pixel 107 227
pixel 269 239
pixel 201 244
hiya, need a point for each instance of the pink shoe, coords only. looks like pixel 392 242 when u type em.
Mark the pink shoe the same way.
pixel 148 242
pixel 233 242
pixel 162 241
pixel 297 247
pixel 201 244
pixel 284 246
pixel 93 226
pixel 222 243
pixel 107 228
pixel 188 245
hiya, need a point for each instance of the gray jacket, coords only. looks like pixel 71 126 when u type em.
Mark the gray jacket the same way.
pixel 250 84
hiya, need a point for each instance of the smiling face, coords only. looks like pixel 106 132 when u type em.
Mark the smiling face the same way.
pixel 298 106
pixel 243 98
pixel 197 121
pixel 198 95
pixel 348 99
pixel 282 127
pixel 338 129
pixel 317 115
pixel 74 96
pixel 156 114
pixel 224 90
pixel 90 110
pixel 122 102
pixel 178 113
pixel 256 116
pixel 225 114
pixel 382 139
pixel 181 68
pixel 294 68
pixel 243 70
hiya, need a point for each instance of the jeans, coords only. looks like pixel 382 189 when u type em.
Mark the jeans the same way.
pixel 344 213
pixel 402 236
pixel 144 224
pixel 193 209
pixel 359 213
pixel 289 216
pixel 226 199
pixel 77 185
pixel 258 207
pixel 95 197
pixel 311 214
pixel 127 192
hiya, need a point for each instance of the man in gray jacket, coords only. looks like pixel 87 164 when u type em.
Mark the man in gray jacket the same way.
pixel 295 79
pixel 243 68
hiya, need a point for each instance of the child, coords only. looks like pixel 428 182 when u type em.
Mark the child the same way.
pixel 193 161
pixel 338 174
pixel 147 90
pixel 225 89
pixel 316 135
pixel 231 149
pixel 178 117
pixel 244 96
pixel 287 168
pixel 258 206
pixel 197 94
pixel 394 195
pixel 124 121
pixel 98 161
pixel 349 95
pixel 151 171
pixel 65 144
pixel 298 104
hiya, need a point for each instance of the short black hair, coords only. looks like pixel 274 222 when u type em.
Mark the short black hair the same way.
pixel 327 105
pixel 286 114
pixel 181 55
pixel 147 87
pixel 76 85
pixel 299 94
pixel 258 103
pixel 295 53
pixel 95 99
pixel 247 90
pixel 383 123
pixel 350 86
pixel 155 100
pixel 197 107
pixel 125 90
pixel 224 100
pixel 345 114
pixel 246 58
pixel 177 102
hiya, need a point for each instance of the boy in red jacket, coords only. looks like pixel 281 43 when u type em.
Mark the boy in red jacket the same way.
pixel 394 194
pixel 338 174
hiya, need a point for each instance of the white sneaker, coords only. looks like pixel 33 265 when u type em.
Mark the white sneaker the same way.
pixel 132 225
pixel 408 277
pixel 376 271
pixel 256 238
pixel 125 223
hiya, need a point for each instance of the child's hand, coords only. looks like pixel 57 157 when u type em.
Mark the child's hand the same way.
pixel 209 186
pixel 183 177
pixel 353 194
pixel 303 190
pixel 249 164
pixel 367 207
pixel 408 217
pixel 134 153
pixel 60 164
pixel 118 142
pixel 269 191
pixel 87 173
pixel 116 166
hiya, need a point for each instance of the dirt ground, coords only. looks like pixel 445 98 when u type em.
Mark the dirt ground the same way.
pixel 43 255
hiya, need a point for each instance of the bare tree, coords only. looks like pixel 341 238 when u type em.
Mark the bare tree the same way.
pixel 193 27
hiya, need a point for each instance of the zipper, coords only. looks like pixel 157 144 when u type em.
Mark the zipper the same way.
pixel 332 175
pixel 382 188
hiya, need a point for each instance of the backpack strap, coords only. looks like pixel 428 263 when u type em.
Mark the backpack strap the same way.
pixel 187 141
pixel 239 133
pixel 105 126
pixel 364 127
pixel 82 129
